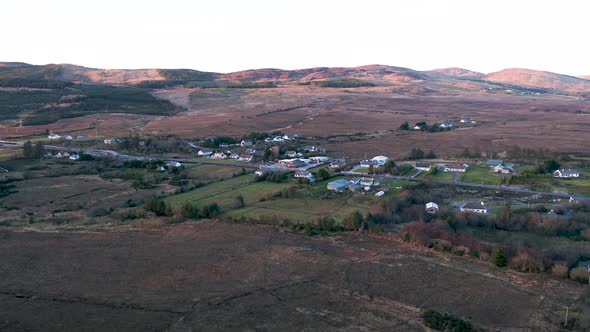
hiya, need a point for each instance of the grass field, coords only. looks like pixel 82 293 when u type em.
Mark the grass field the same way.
pixel 440 175
pixel 225 192
pixel 480 175
pixel 208 173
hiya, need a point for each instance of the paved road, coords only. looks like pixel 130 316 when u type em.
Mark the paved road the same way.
pixel 476 185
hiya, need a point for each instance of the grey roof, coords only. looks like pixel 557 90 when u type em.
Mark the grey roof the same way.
pixel 423 165
pixel 473 206
pixel 339 184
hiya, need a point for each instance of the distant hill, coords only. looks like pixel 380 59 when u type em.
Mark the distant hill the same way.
pixel 402 80
pixel 79 74
pixel 539 79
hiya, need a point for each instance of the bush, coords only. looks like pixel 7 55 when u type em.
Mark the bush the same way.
pixel 526 263
pixel 559 270
pixel 157 206
pixel 579 274
pixel 189 211
pixel 445 322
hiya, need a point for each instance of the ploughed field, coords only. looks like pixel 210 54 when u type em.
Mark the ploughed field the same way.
pixel 224 276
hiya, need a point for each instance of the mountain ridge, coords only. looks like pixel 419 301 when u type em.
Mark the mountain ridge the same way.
pixel 381 75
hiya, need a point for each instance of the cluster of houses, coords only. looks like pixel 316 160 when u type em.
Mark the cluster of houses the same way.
pixel 62 155
pixel 229 154
pixel 279 139
pixel 54 136
pixel 445 125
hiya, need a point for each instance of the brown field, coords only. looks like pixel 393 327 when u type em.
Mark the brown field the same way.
pixel 554 122
pixel 221 276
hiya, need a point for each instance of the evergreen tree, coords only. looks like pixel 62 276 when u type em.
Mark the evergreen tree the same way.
pixel 39 151
pixel 323 174
pixel 28 150
pixel 499 258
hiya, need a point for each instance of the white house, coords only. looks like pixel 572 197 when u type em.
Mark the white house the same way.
pixel 245 158
pixel 566 173
pixel 474 207
pixel 218 155
pixel 446 125
pixel 68 137
pixel 173 164
pixel 107 141
pixel 53 136
pixel 246 143
pixel 379 160
pixel 305 175
pixel 74 156
pixel 291 154
pixel 205 152
pixel 455 168
pixel 431 208
pixel 465 120
pixel 380 193
pixel 423 166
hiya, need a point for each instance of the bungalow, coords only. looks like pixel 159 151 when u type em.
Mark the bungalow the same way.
pixel 431 208
pixel 465 120
pixel 474 207
pixel 337 163
pixel 53 136
pixel 566 173
pixel 291 154
pixel 205 152
pixel 503 169
pixel 59 155
pixel 338 185
pixel 246 143
pixel 66 155
pixel 416 127
pixel 108 141
pixel 245 158
pixel 218 156
pixel 423 167
pixel 446 125
pixel 455 168
pixel 68 137
pixel 305 175
pixel 380 193
pixel 379 160
pixel 318 159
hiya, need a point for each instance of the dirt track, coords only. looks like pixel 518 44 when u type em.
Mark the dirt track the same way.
pixel 221 276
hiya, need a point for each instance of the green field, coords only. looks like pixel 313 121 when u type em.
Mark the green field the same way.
pixel 209 173
pixel 440 175
pixel 225 192
pixel 480 175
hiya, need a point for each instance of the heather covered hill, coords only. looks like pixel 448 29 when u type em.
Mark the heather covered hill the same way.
pixel 539 79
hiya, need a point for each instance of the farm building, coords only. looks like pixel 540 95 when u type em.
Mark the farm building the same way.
pixel 339 185
pixel 431 208
pixel 474 207
pixel 566 173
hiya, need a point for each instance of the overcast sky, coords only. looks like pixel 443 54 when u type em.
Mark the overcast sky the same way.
pixel 225 36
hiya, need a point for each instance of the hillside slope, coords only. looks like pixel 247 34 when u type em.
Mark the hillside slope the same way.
pixel 539 79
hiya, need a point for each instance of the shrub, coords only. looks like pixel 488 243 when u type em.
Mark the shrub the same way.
pixel 579 274
pixel 526 263
pixel 189 211
pixel 157 206
pixel 559 270
pixel 445 322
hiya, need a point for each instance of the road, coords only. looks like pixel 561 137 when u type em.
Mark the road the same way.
pixel 475 185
